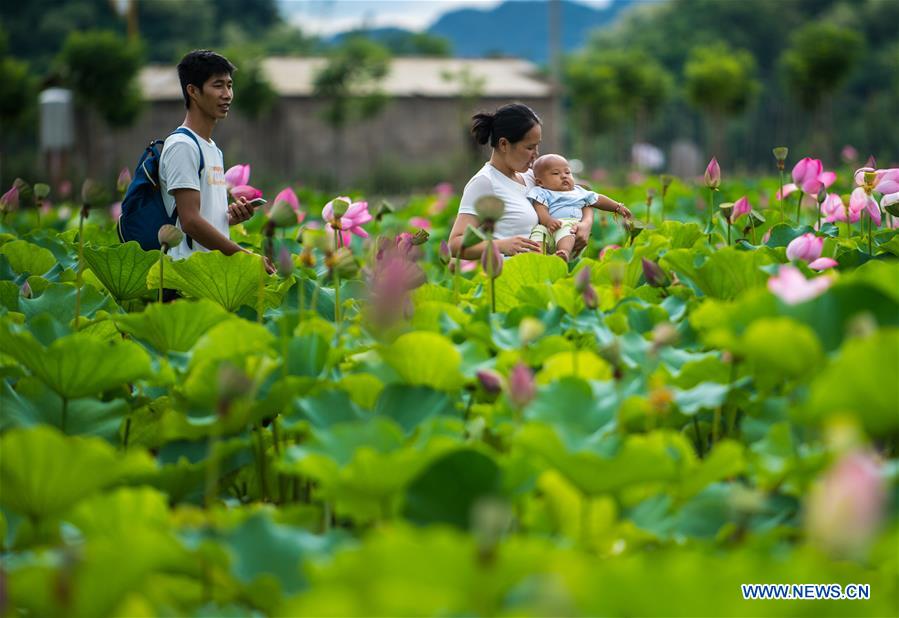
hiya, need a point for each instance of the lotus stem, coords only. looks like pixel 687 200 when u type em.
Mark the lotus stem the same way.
pixel 870 247
pixel 729 225
pixel 161 265
pixel 212 466
pixel 711 208
pixel 260 462
pixel 698 436
pixel 80 268
pixel 276 441
pixel 65 414
pixel 798 205
pixel 456 275
pixel 780 194
pixel 490 274
pixel 716 425
pixel 127 434
pixel 260 293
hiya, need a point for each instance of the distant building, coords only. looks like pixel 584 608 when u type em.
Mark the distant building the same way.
pixel 425 122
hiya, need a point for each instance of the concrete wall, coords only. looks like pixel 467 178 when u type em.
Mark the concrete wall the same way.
pixel 292 143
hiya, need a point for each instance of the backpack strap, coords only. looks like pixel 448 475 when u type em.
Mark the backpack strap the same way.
pixel 190 134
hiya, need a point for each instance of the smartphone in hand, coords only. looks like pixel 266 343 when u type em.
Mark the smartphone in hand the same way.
pixel 259 201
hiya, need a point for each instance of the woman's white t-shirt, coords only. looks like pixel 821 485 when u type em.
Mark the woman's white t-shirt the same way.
pixel 519 216
pixel 178 165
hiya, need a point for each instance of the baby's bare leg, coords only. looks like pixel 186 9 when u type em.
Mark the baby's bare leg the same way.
pixel 564 246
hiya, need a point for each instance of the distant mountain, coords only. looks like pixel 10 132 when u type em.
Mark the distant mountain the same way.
pixel 521 28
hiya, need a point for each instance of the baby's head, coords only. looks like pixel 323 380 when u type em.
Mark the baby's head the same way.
pixel 552 172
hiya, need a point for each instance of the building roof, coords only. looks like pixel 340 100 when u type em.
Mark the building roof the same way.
pixel 407 77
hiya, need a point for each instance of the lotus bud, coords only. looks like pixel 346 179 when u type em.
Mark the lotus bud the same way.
pixel 490 381
pixel 492 261
pixel 522 388
pixel 339 206
pixel 845 508
pixel 529 329
pixel 634 228
pixel 41 190
pixel 654 275
pixel 590 298
pixel 780 153
pixel 489 209
pixel 472 237
pixel 233 383
pixel 169 236
pixel 25 290
pixel 9 202
pixel 582 279
pixel 871 162
pixel 420 237
pixel 444 252
pixel 849 154
pixel 123 180
pixel 667 179
pixel 282 215
pixel 650 195
pixel 92 194
pixel 713 174
pixel 342 263
pixel 805 247
pixel 664 334
pixel 26 193
pixel 285 262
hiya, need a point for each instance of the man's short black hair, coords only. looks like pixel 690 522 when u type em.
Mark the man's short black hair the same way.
pixel 198 66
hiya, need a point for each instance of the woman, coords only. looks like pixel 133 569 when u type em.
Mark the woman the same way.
pixel 514 134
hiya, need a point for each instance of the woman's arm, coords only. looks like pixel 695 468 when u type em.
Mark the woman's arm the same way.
pixel 507 246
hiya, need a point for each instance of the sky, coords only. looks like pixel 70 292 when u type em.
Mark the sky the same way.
pixel 325 17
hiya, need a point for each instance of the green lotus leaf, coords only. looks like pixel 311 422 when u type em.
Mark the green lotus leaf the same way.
pixel 639 459
pixel 25 257
pixel 577 409
pixel 307 354
pixel 58 300
pixel 680 235
pixel 122 268
pixel 860 382
pixel 703 396
pixel 779 349
pixel 429 315
pixel 229 280
pixel 9 295
pixel 725 274
pixel 175 326
pixel 261 548
pixel 77 365
pixel 31 403
pixel 526 270
pixel 409 406
pixel 121 512
pixel 448 489
pixel 231 339
pixel 727 459
pixel 43 472
pixel 363 388
pixel 882 274
pixel 322 410
pixel 583 364
pixel 782 234
pixel 425 359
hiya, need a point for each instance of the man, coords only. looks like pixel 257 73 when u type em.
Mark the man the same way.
pixel 200 196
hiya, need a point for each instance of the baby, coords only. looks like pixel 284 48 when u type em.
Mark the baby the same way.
pixel 560 203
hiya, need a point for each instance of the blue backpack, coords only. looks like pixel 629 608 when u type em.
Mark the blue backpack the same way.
pixel 143 211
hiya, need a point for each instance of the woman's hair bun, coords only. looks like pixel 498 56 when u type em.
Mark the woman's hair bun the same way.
pixel 481 126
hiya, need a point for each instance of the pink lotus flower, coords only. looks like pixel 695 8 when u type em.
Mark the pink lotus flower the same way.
pixel 492 261
pixel 350 223
pixel 123 180
pixel 522 388
pixel 845 508
pixel 606 249
pixel 443 189
pixel 115 210
pixel 822 263
pixel 806 247
pixel 741 207
pixel 237 175
pixel 790 286
pixel 834 210
pixel 9 201
pixel 465 266
pixel 713 174
pixel 245 191
pixel 860 201
pixel 808 175
pixel 420 222
pixel 287 195
pixel 887 181
pixel 849 154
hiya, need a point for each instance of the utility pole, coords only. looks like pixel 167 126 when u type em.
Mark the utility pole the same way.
pixel 555 58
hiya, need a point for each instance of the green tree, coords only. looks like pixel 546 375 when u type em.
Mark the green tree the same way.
pixel 350 86
pixel 817 63
pixel 101 67
pixel 18 90
pixel 613 89
pixel 254 95
pixel 720 82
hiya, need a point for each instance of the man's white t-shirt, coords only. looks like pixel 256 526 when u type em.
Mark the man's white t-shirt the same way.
pixel 519 216
pixel 178 167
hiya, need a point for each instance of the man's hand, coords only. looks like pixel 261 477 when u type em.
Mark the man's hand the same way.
pixel 553 224
pixel 239 211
